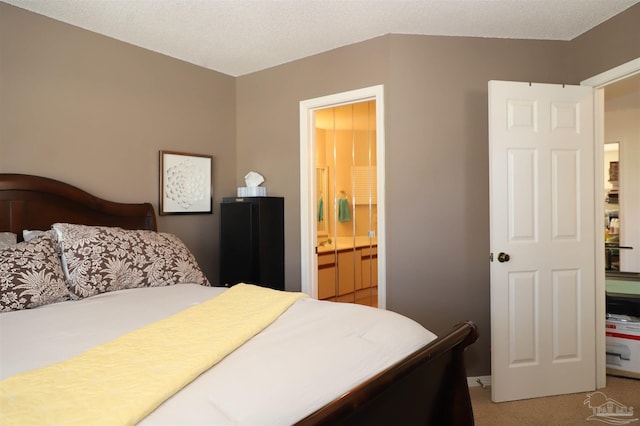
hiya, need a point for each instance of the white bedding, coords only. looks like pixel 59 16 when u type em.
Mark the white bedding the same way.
pixel 309 356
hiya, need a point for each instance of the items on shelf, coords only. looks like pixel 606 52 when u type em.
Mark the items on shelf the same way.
pixel 612 194
pixel 614 170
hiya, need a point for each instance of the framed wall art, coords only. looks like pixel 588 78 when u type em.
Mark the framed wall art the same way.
pixel 185 183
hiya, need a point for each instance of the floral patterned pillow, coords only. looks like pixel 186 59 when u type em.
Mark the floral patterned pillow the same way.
pixel 101 259
pixel 31 274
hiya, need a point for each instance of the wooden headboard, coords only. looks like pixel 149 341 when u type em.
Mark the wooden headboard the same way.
pixel 36 203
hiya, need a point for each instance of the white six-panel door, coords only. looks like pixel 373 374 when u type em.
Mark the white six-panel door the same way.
pixel 542 221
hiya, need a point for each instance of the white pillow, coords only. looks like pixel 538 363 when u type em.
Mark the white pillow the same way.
pixel 31 234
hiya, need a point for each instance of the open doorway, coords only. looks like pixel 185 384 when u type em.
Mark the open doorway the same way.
pixel 599 83
pixel 310 229
pixel 346 203
pixel 622 177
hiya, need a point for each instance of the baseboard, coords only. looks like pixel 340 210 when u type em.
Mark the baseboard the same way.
pixel 483 381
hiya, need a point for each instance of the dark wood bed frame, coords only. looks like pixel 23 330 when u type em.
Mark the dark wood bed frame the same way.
pixel 429 387
pixel 34 202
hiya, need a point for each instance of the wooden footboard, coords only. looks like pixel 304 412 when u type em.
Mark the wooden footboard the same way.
pixel 429 387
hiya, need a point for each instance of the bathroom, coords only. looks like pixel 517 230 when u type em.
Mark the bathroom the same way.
pixel 346 203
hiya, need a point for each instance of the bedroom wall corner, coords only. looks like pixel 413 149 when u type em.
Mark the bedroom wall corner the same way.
pixel 436 156
pixel 94 112
pixel 269 123
pixel 436 159
pixel 612 43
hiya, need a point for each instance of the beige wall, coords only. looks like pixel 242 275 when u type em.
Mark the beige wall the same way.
pixel 268 123
pixel 94 112
pixel 606 46
pixel 436 153
pixel 436 158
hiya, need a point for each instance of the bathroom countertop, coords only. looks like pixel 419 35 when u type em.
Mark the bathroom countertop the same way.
pixel 347 243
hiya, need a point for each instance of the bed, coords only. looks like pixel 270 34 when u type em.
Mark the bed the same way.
pixel 314 362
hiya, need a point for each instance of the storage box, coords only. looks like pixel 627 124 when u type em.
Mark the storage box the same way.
pixel 623 347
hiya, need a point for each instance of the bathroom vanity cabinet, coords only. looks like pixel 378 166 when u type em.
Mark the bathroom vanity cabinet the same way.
pixel 252 241
pixel 349 275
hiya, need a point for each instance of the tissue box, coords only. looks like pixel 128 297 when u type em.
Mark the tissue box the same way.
pixel 623 348
pixel 252 191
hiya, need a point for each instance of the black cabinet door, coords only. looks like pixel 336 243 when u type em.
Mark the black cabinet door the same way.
pixel 239 248
pixel 252 241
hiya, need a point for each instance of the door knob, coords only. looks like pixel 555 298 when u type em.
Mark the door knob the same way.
pixel 503 257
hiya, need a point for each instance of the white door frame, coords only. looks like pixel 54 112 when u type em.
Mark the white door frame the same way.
pixel 308 216
pixel 599 82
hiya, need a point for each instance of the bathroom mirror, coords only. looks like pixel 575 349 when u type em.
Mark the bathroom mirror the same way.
pixel 322 192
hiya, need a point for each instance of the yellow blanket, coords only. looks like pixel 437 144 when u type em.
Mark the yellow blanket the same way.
pixel 122 381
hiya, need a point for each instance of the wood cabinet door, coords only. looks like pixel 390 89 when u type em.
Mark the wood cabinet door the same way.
pixel 326 275
pixel 369 265
pixel 349 273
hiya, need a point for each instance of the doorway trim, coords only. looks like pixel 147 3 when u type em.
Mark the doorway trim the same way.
pixel 308 231
pixel 599 82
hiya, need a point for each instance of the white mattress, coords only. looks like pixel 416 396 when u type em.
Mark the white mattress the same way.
pixel 310 355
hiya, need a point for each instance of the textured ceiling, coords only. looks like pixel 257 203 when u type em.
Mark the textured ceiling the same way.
pixel 237 37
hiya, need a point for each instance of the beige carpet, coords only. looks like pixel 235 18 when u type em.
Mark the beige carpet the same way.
pixel 558 410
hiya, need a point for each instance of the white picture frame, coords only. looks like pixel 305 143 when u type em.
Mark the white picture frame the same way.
pixel 185 183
